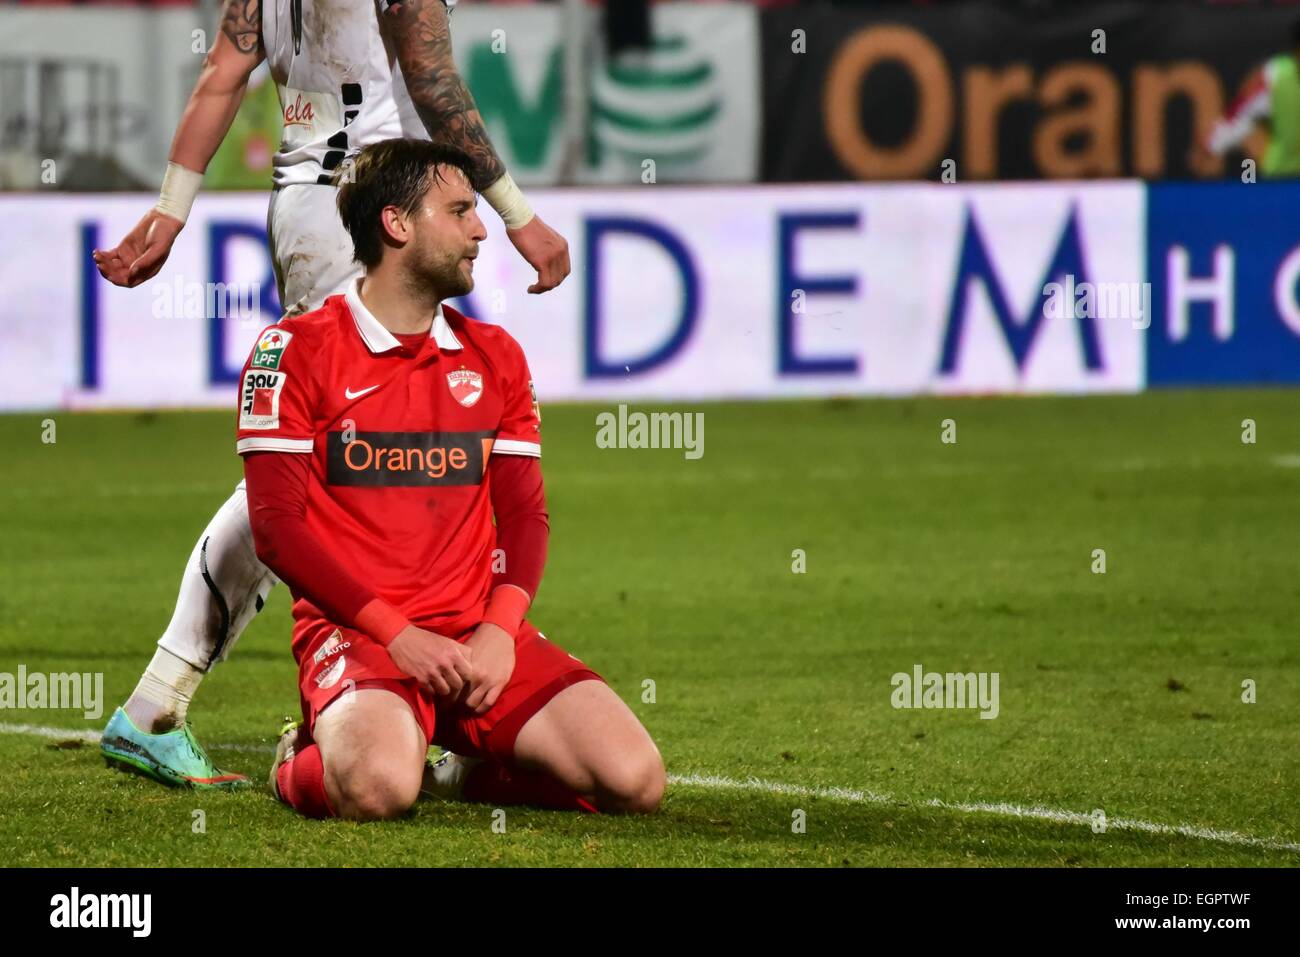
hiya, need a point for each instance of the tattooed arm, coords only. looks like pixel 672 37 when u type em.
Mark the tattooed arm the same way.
pixel 419 31
pixel 212 106
pixel 422 38
pixel 208 114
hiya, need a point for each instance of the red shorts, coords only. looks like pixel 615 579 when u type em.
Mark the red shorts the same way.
pixel 336 660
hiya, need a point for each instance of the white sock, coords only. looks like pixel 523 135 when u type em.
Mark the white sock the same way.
pixel 168 684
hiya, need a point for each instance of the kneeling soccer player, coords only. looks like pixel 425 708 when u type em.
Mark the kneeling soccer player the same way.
pixel 381 434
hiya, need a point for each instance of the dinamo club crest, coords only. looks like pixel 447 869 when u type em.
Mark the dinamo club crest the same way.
pixel 466 386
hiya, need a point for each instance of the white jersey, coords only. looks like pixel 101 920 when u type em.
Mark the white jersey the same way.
pixel 340 86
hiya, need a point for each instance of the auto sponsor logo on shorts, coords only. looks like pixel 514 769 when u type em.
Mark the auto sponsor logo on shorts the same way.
pixel 389 459
pixel 466 386
pixel 259 399
pixel 332 646
pixel 270 349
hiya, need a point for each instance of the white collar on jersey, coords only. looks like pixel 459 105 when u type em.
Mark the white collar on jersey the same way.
pixel 379 339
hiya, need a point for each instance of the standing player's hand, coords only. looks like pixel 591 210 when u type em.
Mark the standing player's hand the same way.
pixel 545 250
pixel 442 666
pixel 142 252
pixel 494 662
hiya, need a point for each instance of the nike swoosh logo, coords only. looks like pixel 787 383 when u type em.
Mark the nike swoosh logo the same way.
pixel 356 395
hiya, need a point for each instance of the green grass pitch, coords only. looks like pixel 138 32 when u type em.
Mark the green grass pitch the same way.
pixel 1119 691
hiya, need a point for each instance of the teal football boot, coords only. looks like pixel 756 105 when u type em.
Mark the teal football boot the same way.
pixel 174 758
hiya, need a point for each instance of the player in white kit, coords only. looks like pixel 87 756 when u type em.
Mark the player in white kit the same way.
pixel 349 72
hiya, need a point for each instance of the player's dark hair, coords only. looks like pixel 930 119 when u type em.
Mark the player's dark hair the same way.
pixel 396 172
pixel 1295 34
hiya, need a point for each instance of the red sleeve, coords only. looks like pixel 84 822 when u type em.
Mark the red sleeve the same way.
pixel 277 508
pixel 518 501
pixel 523 526
pixel 520 429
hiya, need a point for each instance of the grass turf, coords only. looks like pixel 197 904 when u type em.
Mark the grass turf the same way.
pixel 1119 691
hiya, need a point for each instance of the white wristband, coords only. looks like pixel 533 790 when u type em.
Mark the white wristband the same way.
pixel 507 200
pixel 179 187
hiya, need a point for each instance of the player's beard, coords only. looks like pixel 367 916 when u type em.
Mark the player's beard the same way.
pixel 436 271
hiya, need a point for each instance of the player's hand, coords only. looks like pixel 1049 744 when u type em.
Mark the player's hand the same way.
pixel 545 250
pixel 142 252
pixel 442 666
pixel 494 662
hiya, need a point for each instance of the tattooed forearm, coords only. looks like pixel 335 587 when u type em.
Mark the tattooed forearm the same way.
pixel 423 39
pixel 242 24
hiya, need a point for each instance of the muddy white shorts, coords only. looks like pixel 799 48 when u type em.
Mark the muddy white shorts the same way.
pixel 310 249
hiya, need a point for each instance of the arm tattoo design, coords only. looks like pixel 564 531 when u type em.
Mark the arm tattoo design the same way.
pixel 423 40
pixel 242 24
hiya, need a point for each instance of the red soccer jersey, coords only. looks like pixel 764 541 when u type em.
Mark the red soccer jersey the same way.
pixel 399 438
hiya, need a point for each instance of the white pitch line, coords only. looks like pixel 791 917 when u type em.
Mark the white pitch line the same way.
pixel 849 795
pixel 63 734
pixel 1054 815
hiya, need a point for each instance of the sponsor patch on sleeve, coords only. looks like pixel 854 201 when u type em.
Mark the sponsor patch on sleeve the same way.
pixel 259 399
pixel 270 349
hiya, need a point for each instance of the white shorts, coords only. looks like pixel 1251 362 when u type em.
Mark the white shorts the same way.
pixel 310 249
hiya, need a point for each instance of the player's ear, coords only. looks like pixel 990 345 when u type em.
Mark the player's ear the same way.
pixel 395 223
